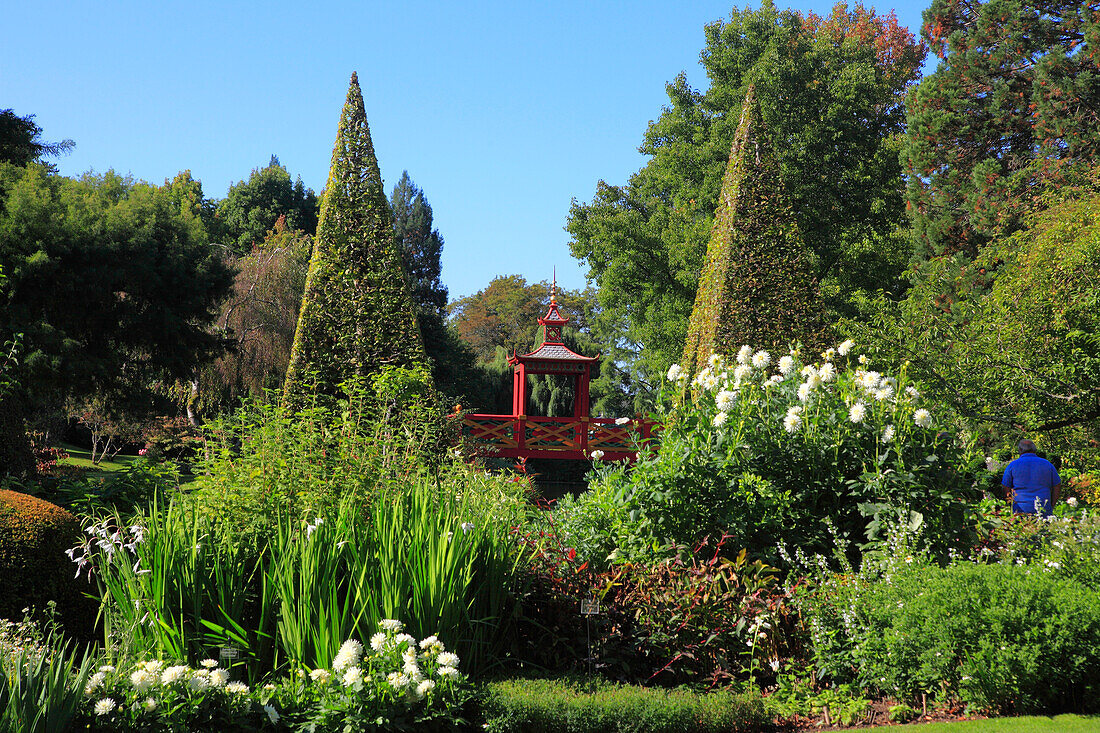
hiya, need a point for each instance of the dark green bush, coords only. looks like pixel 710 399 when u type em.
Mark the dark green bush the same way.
pixel 595 706
pixel 1004 637
pixel 34 568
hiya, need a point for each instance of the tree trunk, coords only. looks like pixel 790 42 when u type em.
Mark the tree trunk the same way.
pixel 193 415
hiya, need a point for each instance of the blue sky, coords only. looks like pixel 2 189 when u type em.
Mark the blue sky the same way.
pixel 503 112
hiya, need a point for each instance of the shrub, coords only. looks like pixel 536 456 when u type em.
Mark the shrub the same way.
pixel 1067 545
pixel 34 536
pixel 1010 638
pixel 394 683
pixel 763 456
pixel 594 706
pixel 696 618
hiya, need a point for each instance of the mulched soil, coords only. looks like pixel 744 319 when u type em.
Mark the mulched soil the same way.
pixel 879 715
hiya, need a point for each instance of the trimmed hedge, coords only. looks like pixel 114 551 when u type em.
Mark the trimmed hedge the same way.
pixel 34 569
pixel 596 706
pixel 357 314
pixel 757 285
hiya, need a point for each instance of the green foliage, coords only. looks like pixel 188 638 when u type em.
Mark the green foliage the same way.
pixel 593 706
pixel 1001 637
pixel 394 684
pixel 796 697
pixel 263 458
pixel 34 536
pixel 91 264
pixel 132 488
pixel 1010 337
pixel 41 680
pixel 831 89
pixel 251 208
pixel 357 314
pixel 153 696
pixel 421 248
pixel 304 530
pixel 258 320
pixel 1068 545
pixel 756 285
pixel 1010 110
pixel 766 457
pixel 21 143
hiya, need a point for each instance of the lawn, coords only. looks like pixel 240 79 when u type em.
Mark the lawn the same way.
pixel 82 458
pixel 1027 724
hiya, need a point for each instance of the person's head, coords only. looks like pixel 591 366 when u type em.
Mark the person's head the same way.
pixel 1026 446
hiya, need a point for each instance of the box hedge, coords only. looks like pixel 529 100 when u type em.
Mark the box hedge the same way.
pixel 34 535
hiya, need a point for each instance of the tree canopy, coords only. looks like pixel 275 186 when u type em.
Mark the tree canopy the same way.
pixel 832 90
pixel 1012 108
pixel 21 140
pixel 111 281
pixel 258 319
pixel 357 314
pixel 251 208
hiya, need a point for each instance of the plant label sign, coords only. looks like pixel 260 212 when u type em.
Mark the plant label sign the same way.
pixel 229 652
pixel 590 607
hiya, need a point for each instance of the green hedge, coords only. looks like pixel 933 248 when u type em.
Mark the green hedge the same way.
pixel 1003 637
pixel 594 706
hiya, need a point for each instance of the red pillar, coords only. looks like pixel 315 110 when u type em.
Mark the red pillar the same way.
pixel 581 407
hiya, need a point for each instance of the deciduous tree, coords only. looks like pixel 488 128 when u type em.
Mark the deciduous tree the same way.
pixel 832 89
pixel 250 209
pixel 112 284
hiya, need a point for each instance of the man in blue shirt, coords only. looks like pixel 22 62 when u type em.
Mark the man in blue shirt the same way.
pixel 1031 483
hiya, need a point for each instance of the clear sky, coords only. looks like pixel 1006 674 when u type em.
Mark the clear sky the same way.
pixel 502 111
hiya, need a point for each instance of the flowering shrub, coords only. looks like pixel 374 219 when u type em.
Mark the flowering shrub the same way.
pixel 1067 544
pixel 1009 636
pixel 154 696
pixel 395 683
pixel 762 449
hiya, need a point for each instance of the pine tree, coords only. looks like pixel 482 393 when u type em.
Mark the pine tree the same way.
pixel 421 246
pixel 756 287
pixel 1012 110
pixel 357 314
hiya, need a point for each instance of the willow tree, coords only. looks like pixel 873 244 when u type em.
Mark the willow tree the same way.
pixel 357 314
pixel 757 285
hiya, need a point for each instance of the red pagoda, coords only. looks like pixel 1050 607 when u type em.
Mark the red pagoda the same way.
pixel 578 437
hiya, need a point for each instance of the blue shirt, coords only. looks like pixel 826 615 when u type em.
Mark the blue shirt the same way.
pixel 1031 478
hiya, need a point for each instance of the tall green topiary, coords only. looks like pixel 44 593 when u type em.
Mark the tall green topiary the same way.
pixel 757 285
pixel 357 315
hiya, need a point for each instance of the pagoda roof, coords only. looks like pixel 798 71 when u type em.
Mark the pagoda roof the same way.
pixel 552 352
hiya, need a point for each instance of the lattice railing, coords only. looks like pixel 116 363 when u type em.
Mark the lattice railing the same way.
pixel 565 437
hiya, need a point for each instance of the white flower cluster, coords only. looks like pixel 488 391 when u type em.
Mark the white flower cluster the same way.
pixel 861 387
pixel 150 677
pixel 108 539
pixel 396 660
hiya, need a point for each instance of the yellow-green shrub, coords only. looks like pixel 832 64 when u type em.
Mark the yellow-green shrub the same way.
pixel 34 535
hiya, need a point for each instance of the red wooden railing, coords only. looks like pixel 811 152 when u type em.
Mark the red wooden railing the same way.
pixel 511 436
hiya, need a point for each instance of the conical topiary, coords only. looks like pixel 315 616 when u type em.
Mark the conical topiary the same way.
pixel 757 285
pixel 357 315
